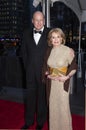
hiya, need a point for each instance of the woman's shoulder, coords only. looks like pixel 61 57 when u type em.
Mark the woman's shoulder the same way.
pixel 69 50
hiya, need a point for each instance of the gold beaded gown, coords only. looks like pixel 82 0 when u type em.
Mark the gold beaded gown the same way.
pixel 59 109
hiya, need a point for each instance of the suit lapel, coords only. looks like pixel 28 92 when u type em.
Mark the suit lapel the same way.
pixel 32 37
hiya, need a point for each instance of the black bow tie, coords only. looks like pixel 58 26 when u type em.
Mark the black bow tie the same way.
pixel 40 32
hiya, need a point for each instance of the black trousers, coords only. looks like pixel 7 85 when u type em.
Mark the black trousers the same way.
pixel 35 103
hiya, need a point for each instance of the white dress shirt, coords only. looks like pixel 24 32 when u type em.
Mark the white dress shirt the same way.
pixel 37 36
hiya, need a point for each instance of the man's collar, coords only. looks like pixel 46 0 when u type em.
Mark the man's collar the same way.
pixel 40 29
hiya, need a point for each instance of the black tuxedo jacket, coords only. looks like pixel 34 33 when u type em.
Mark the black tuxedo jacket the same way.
pixel 32 54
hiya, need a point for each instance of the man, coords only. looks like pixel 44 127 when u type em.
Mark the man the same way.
pixel 33 50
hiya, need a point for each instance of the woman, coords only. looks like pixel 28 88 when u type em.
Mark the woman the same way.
pixel 59 66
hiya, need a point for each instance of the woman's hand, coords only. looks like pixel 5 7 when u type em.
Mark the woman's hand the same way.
pixel 52 77
pixel 61 78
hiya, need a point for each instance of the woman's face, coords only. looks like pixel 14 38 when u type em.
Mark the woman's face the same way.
pixel 56 39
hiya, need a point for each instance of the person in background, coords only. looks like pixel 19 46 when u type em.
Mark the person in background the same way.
pixel 33 49
pixel 59 66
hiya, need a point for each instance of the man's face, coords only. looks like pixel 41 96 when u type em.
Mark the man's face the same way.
pixel 38 20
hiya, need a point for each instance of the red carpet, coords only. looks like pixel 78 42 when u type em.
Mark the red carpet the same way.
pixel 12 117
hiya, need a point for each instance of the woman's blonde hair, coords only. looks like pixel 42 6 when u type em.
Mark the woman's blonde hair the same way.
pixel 56 30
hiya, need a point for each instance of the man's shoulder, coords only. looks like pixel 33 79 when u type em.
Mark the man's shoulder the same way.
pixel 47 29
pixel 27 30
